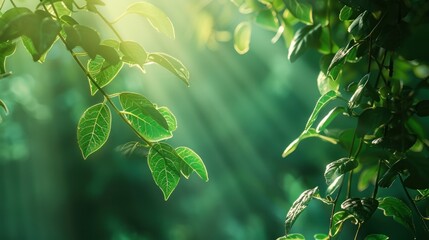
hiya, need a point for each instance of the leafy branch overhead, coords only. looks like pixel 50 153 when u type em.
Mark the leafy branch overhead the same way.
pixel 373 79
pixel 101 60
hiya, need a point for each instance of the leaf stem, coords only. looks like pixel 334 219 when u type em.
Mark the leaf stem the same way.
pixel 357 231
pixel 13 3
pixel 374 193
pixel 334 205
pixel 109 24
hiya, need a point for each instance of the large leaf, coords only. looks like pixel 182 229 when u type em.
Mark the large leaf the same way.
pixel 301 10
pixel 394 207
pixel 298 207
pixel 15 22
pixel 102 72
pixel 164 164
pixel 338 168
pixel 89 39
pixel 156 17
pixel 242 35
pixel 94 128
pixel 144 117
pixel 303 39
pixel 321 102
pixel 193 161
pixel 171 64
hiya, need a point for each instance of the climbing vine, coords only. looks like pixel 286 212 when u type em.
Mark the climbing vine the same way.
pixel 373 83
pixel 53 22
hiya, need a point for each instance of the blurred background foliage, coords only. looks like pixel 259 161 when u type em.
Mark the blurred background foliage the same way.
pixel 238 114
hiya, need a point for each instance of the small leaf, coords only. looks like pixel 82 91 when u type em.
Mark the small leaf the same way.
pixel 164 164
pixel 94 128
pixel 321 236
pixel 361 208
pixel 156 17
pixel 298 207
pixel 401 213
pixel 346 13
pixel 311 132
pixel 321 102
pixel 303 39
pixel 6 49
pixel 357 95
pixel 291 147
pixel 329 118
pixel 338 168
pixel 144 117
pixel 376 237
pixel 109 54
pixel 337 222
pixel 193 161
pixel 371 119
pixel 133 52
pixel 242 35
pixel 169 117
pixel 361 26
pixel 301 10
pixel 292 236
pixel 340 57
pixel 171 64
pixel 267 19
pixel 336 183
pixel 102 72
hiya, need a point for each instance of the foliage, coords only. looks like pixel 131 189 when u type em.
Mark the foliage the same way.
pixel 101 60
pixel 371 52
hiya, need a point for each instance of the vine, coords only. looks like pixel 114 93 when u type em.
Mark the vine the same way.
pixel 373 70
pixel 101 60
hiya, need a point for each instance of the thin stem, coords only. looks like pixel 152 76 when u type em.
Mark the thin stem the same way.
pixel 374 193
pixel 13 3
pixel 328 13
pixel 414 205
pixel 109 24
pixel 357 231
pixel 349 185
pixel 334 205
pixel 380 71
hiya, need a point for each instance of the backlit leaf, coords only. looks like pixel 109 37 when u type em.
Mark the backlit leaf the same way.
pixel 102 72
pixel 242 37
pixel 193 161
pixel 89 39
pixel 303 39
pixel 311 132
pixel 6 49
pixel 345 13
pixel 394 207
pixel 329 118
pixel 298 207
pixel 133 52
pixel 109 54
pixel 376 237
pixel 94 128
pixel 267 19
pixel 156 17
pixel 292 236
pixel 171 64
pixel 301 10
pixel 169 117
pixel 3 105
pixel 339 167
pixel 321 236
pixel 321 102
pixel 337 222
pixel 144 117
pixel 164 164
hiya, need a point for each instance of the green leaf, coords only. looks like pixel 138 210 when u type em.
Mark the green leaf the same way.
pixel 133 52
pixel 6 49
pixel 301 10
pixel 336 183
pixel 329 118
pixel 89 39
pixel 144 117
pixel 321 236
pixel 306 134
pixel 267 19
pixel 376 237
pixel 292 236
pixel 156 17
pixel 109 54
pixel 242 35
pixel 361 208
pixel 401 213
pixel 94 128
pixel 337 222
pixel 423 194
pixel 164 164
pixel 326 83
pixel 361 26
pixel 321 102
pixel 193 161
pixel 339 167
pixel 15 22
pixel 169 117
pixel 3 105
pixel 303 39
pixel 102 72
pixel 171 64
pixel 298 207
pixel 340 58
pixel 371 119
pixel 357 95
pixel 416 168
pixel 346 13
